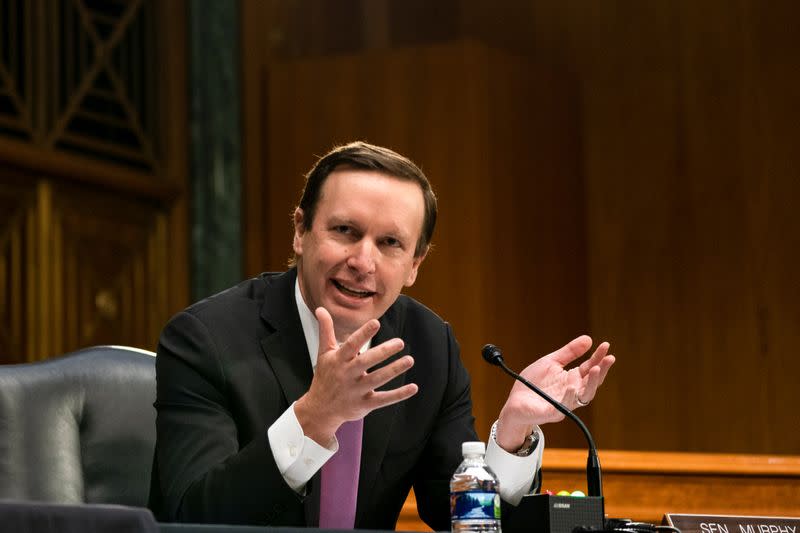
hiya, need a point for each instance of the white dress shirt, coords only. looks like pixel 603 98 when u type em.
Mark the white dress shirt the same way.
pixel 298 457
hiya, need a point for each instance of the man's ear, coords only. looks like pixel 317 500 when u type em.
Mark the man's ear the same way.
pixel 299 231
pixel 412 276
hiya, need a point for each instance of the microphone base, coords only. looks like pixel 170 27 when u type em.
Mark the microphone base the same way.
pixel 543 513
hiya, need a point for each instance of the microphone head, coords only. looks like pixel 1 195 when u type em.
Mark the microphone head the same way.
pixel 492 354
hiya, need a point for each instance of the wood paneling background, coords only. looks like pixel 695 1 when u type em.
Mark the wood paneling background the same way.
pixel 690 118
pixel 93 214
pixel 670 152
pixel 17 215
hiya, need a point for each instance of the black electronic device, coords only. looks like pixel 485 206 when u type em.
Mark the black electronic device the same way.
pixel 544 513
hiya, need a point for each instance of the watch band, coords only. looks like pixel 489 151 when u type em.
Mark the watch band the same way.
pixel 531 441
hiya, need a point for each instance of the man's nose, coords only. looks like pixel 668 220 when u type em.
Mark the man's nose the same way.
pixel 362 257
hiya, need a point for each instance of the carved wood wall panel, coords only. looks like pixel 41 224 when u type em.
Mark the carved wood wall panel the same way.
pixel 74 76
pixel 79 268
pixel 92 173
pixel 15 71
pixel 17 212
pixel 108 282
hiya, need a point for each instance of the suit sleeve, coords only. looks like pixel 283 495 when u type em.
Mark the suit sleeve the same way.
pixel 204 473
pixel 442 455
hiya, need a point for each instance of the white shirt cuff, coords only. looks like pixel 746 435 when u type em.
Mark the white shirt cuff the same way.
pixel 515 473
pixel 298 457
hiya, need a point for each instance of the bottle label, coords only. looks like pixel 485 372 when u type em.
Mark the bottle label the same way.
pixel 474 505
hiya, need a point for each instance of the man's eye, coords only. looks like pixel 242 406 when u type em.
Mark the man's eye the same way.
pixel 391 241
pixel 341 229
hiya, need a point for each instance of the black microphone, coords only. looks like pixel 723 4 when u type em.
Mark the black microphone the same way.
pixel 594 478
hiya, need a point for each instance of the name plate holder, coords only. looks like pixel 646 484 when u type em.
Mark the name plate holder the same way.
pixel 701 523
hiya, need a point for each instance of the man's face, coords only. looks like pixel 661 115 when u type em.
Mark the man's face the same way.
pixel 359 253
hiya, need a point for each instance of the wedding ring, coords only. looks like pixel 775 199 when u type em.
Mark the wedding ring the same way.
pixel 580 403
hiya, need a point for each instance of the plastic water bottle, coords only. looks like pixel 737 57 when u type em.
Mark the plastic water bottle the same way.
pixel 474 496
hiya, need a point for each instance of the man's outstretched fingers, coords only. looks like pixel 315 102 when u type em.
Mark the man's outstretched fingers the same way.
pixel 595 359
pixel 350 347
pixel 378 399
pixel 385 374
pixel 378 354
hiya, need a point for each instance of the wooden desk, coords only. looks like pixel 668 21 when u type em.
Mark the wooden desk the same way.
pixel 645 485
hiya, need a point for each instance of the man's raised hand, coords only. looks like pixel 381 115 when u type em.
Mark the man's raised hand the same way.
pixel 574 388
pixel 342 389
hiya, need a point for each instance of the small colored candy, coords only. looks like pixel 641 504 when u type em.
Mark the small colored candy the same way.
pixel 548 492
pixel 578 493
pixel 563 493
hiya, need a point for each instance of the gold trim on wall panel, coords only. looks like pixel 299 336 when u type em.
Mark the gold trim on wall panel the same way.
pixel 31 322
pixel 56 261
pixel 45 241
pixel 157 258
pixel 71 302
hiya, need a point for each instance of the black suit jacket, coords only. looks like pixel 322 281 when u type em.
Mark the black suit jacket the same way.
pixel 230 365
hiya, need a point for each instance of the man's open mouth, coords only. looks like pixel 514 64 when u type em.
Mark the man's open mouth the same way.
pixel 352 292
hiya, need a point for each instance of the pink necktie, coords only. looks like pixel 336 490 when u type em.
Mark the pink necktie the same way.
pixel 339 489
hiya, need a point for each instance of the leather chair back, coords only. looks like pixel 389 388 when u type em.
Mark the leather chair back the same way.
pixel 79 428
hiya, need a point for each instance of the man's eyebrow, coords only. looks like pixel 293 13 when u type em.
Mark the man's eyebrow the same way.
pixel 334 219
pixel 394 231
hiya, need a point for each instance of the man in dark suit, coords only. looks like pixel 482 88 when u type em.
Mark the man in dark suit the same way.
pixel 265 390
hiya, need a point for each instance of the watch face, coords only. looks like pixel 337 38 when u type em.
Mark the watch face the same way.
pixel 529 445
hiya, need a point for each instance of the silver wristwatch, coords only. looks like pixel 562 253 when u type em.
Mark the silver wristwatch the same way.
pixel 531 441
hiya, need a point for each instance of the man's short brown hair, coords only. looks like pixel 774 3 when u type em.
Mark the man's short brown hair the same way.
pixel 360 155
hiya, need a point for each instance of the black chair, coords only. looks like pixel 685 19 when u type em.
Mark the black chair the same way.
pixel 79 428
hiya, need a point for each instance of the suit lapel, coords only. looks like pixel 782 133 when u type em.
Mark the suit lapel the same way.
pixel 286 352
pixel 378 424
pixel 285 345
